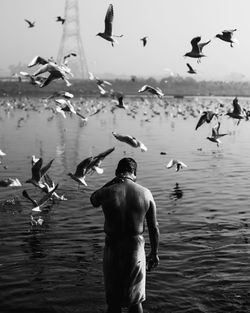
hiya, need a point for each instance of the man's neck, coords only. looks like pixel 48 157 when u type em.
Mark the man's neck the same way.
pixel 127 176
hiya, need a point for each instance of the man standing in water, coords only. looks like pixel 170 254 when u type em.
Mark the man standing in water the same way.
pixel 126 205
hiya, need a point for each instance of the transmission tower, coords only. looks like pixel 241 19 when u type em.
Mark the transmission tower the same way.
pixel 71 41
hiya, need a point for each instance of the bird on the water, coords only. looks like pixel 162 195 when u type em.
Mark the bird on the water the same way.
pixel 178 164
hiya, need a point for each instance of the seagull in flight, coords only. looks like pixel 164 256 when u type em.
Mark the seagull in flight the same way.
pixel 215 135
pixel 144 40
pixel 38 172
pixel 99 81
pixel 227 35
pixel 154 91
pixel 237 113
pixel 107 34
pixel 207 117
pixel 197 47
pixel 81 171
pixel 190 69
pixel 132 141
pixel 177 163
pixel 60 19
pixel 97 160
pixel 37 205
pixel 50 66
pixel 31 24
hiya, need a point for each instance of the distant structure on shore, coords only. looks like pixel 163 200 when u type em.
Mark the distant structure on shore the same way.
pixel 71 41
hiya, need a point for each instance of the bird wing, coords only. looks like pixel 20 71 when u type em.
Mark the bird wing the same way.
pixel 237 107
pixel 29 22
pixel 82 166
pixel 215 130
pixel 26 195
pixel 46 197
pixel 52 76
pixel 143 88
pixel 102 90
pixel 109 20
pixel 36 170
pixel 48 180
pixel 37 60
pixel 190 67
pixel 103 155
pixel 203 44
pixel 46 168
pixel 194 43
pixel 202 120
pixel 170 163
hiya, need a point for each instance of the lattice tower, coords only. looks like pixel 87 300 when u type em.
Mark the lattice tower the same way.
pixel 71 41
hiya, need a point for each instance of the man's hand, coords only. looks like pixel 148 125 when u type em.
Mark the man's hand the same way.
pixel 152 261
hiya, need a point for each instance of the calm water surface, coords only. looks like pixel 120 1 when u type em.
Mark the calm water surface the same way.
pixel 203 210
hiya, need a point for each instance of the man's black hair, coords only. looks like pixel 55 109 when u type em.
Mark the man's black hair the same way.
pixel 126 165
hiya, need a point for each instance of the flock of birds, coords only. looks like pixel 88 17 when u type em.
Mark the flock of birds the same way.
pixel 63 105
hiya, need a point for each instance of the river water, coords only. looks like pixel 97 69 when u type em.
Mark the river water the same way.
pixel 203 209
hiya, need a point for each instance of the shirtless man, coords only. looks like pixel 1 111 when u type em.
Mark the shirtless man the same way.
pixel 126 205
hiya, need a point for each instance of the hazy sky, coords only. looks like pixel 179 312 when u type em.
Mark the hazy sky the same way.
pixel 169 24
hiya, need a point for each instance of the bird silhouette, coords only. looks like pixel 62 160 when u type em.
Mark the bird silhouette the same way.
pixel 107 34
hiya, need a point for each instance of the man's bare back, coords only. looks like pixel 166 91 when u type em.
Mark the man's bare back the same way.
pixel 125 204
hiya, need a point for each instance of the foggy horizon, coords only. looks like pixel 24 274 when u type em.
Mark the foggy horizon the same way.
pixel 170 26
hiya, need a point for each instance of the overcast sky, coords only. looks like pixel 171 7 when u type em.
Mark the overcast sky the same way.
pixel 169 25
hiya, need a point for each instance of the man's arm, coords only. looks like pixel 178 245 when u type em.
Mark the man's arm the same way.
pixel 153 229
pixel 95 198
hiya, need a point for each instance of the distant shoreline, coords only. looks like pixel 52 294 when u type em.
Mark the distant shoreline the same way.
pixel 178 88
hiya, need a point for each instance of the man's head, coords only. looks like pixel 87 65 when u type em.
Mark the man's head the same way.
pixel 126 166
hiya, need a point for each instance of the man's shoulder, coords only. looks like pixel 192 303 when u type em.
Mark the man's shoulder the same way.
pixel 145 190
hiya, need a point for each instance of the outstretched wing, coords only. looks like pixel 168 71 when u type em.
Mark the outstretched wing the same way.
pixel 37 60
pixel 194 43
pixel 203 44
pixel 109 20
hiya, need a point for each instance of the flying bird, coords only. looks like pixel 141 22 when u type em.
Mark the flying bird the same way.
pixel 132 141
pixel 197 47
pixel 99 81
pixel 31 24
pixel 144 40
pixel 38 172
pixel 95 164
pixel 37 205
pixel 56 71
pixel 190 69
pixel 227 35
pixel 207 117
pixel 154 91
pixel 237 113
pixel 107 34
pixel 215 135
pixel 81 171
pixel 178 164
pixel 60 19
pixel 36 81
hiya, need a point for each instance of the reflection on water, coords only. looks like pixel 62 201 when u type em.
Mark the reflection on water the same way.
pixel 202 210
